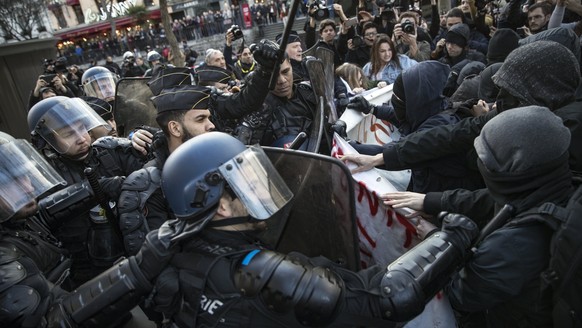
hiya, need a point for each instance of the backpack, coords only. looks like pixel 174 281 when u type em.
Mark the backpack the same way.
pixel 563 277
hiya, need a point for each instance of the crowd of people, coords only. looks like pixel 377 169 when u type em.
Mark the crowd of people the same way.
pixel 169 218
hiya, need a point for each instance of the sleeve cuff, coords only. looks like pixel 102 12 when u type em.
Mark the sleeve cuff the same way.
pixel 432 203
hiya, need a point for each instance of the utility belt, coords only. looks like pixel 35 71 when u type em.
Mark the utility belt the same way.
pixel 292 125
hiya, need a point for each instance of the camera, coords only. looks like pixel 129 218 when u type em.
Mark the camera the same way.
pixel 322 11
pixel 381 3
pixel 407 27
pixel 357 41
pixel 237 32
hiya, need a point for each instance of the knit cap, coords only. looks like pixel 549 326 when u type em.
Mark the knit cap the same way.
pixel 502 43
pixel 458 34
pixel 522 138
pixel 543 73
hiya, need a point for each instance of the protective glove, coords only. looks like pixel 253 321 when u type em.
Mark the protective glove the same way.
pixel 342 102
pixel 460 228
pixel 154 256
pixel 360 104
pixel 266 54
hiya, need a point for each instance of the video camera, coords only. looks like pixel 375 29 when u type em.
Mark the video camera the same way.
pixel 237 32
pixel 323 11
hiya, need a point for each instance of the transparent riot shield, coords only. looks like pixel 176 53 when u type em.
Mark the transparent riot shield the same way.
pixel 316 71
pixel 320 219
pixel 133 106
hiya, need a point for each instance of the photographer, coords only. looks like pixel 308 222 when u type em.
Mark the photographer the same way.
pixel 48 85
pixel 405 38
pixel 129 68
pixel 232 34
pixel 327 29
pixel 361 46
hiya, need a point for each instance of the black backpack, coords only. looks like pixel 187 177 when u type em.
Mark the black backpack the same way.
pixel 563 278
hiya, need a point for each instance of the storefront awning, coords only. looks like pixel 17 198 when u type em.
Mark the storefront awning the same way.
pixel 89 29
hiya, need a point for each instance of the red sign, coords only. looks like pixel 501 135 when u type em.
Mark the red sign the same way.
pixel 247 15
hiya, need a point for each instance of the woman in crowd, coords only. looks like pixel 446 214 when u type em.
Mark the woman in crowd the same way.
pixel 385 64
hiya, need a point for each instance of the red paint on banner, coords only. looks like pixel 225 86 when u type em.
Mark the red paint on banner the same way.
pixel 373 201
pixel 365 233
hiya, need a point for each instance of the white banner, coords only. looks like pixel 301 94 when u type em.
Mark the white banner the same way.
pixel 385 233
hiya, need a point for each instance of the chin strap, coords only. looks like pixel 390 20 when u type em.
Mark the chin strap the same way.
pixel 230 221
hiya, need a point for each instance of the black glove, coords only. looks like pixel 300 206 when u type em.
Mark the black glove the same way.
pixel 153 256
pixel 459 227
pixel 340 128
pixel 342 101
pixel 360 104
pixel 266 53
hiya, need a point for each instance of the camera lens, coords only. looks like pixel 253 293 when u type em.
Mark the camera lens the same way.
pixel 408 27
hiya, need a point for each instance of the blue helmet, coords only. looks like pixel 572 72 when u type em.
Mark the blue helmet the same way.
pixel 195 175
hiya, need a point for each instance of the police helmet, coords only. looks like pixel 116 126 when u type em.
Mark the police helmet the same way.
pixel 59 121
pixel 99 82
pixel 24 175
pixel 196 174
pixel 128 55
pixel 153 56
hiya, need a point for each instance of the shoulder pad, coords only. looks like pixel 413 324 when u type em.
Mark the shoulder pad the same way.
pixel 8 253
pixel 11 274
pixel 19 303
pixel 111 142
pixel 141 179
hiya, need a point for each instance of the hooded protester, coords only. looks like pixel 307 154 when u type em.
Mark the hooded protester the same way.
pixel 418 104
pixel 523 157
pixel 553 85
pixel 503 42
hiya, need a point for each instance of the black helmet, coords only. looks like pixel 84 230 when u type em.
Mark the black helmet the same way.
pixel 57 118
pixel 195 175
pixel 99 82
pixel 24 175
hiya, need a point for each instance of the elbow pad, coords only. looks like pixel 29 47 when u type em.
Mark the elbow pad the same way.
pixel 66 204
pixel 414 278
pixel 286 283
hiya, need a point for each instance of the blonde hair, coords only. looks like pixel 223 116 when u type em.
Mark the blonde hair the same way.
pixel 349 72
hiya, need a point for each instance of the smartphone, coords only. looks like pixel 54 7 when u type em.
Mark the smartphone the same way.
pixel 351 22
pixel 521 32
pixel 48 78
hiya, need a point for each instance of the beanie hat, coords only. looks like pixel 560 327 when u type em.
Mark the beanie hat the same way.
pixel 503 42
pixel 543 73
pixel 293 37
pixel 458 34
pixel 521 139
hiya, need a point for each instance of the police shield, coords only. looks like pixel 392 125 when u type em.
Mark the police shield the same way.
pixel 326 56
pixel 133 106
pixel 320 219
pixel 316 70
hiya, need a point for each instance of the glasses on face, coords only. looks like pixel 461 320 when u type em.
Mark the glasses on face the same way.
pixel 371 34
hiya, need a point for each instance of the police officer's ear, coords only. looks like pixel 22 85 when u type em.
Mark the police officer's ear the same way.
pixel 175 129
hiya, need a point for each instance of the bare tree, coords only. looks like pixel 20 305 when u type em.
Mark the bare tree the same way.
pixel 177 55
pixel 18 18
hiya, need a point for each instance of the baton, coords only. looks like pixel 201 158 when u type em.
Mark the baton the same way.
pixel 102 200
pixel 283 45
pixel 497 222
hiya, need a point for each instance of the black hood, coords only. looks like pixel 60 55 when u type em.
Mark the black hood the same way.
pixel 423 87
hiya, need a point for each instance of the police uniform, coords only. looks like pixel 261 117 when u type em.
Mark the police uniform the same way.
pixel 226 278
pixel 280 119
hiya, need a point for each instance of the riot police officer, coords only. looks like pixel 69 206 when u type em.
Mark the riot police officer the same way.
pixel 99 82
pixel 184 112
pixel 60 127
pixel 31 261
pixel 222 193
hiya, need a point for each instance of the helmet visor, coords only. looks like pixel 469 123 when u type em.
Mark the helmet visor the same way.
pixel 24 176
pixel 68 121
pixel 256 182
pixel 101 85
